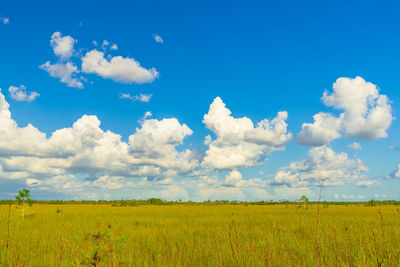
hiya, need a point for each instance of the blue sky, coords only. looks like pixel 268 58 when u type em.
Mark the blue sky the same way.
pixel 258 57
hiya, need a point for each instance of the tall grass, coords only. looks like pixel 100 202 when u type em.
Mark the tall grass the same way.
pixel 199 235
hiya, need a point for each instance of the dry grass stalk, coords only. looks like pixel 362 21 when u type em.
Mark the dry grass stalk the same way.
pixel 378 262
pixel 318 220
pixel 336 247
pixel 8 233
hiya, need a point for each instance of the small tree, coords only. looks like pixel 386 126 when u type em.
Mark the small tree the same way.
pixel 23 198
pixel 304 200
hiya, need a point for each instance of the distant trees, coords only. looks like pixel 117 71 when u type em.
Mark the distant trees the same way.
pixel 24 198
pixel 372 203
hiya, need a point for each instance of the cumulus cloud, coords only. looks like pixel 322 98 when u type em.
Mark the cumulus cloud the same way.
pixel 20 94
pixel 155 142
pixel 367 114
pixel 158 39
pixel 324 130
pixel 233 178
pixel 322 163
pixel 66 72
pixel 85 161
pixel 84 148
pixel 119 69
pixel 238 142
pixel 141 98
pixel 355 146
pixel 16 140
pixel 63 46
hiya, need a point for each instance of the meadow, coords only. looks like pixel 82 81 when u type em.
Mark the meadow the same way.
pixel 199 235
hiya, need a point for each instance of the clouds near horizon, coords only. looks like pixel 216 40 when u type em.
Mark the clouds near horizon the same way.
pixel 56 162
pixel 322 163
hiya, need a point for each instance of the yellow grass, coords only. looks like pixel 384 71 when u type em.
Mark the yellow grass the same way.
pixel 199 235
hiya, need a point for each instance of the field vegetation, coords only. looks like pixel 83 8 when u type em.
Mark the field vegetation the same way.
pixel 161 233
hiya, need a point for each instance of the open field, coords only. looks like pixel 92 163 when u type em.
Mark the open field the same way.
pixel 199 235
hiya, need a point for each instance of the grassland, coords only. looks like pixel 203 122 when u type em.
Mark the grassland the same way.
pixel 199 235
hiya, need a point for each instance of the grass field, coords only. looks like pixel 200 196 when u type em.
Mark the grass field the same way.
pixel 199 235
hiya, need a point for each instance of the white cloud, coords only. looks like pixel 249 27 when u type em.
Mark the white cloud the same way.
pixel 5 20
pixel 174 192
pixel 141 98
pixel 324 130
pixel 17 140
pixel 64 71
pixel 105 44
pixel 146 115
pixel 293 193
pixel 394 174
pixel 380 196
pixel 63 46
pixel 367 114
pixel 232 188
pixel 20 94
pixel 368 183
pixel 144 97
pixel 32 182
pixel 158 38
pixel 155 142
pixel 355 146
pixel 119 69
pixel 349 196
pixel 84 148
pixel 322 163
pixel 128 96
pixel 238 143
pixel 85 161
pixel 233 178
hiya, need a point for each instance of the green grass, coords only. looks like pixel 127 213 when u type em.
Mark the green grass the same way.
pixel 199 235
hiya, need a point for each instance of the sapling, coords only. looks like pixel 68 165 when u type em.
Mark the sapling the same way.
pixel 24 198
pixel 304 200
